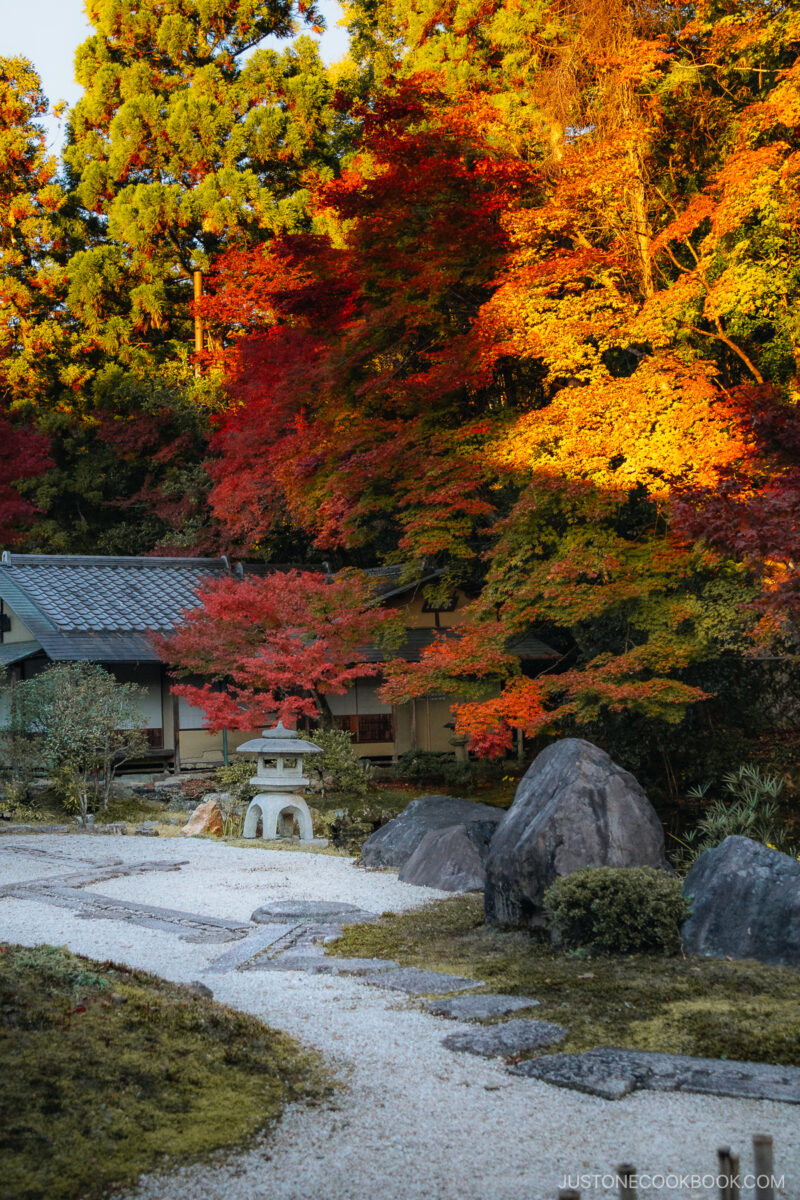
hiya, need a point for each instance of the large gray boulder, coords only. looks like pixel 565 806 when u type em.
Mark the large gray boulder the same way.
pixel 745 901
pixel 448 859
pixel 394 843
pixel 574 808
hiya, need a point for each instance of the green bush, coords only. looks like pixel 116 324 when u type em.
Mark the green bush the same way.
pixel 621 910
pixel 338 768
pixel 429 768
pixel 76 722
pixel 235 780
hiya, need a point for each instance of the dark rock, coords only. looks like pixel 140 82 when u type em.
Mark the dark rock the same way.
pixel 574 808
pixel 450 859
pixel 393 844
pixel 613 1073
pixel 200 990
pixel 286 912
pixel 745 901
pixel 510 1037
pixel 478 1008
pixel 420 983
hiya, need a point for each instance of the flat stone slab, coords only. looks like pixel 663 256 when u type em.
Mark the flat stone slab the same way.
pixel 415 982
pixel 613 1073
pixel 71 892
pixel 321 964
pixel 318 911
pixel 61 856
pixel 510 1037
pixel 256 942
pixel 478 1008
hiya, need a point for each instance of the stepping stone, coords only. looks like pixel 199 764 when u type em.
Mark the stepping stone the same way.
pixel 478 1008
pixel 415 982
pixel 318 911
pixel 501 1041
pixel 613 1073
pixel 321 964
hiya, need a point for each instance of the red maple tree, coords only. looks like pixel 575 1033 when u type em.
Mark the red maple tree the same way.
pixel 275 647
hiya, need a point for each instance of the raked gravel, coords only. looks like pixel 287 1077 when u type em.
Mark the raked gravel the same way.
pixel 413 1120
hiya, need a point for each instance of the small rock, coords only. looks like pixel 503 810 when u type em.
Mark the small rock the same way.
pixel 200 990
pixel 206 818
pixel 501 1041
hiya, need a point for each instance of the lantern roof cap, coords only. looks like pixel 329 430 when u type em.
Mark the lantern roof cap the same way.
pixel 279 740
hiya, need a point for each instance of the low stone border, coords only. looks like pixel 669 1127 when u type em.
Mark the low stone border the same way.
pixel 118 827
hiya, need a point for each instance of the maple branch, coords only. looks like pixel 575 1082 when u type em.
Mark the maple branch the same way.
pixel 720 337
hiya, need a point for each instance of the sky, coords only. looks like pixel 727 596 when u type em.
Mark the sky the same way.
pixel 48 32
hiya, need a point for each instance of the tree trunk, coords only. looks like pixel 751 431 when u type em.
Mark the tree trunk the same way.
pixel 325 712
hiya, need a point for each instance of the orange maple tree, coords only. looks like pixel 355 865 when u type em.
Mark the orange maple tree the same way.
pixel 541 332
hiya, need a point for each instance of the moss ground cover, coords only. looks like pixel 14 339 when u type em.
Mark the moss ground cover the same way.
pixel 109 1072
pixel 706 1007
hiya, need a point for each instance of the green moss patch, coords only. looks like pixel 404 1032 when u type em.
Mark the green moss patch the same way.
pixel 702 1006
pixel 109 1072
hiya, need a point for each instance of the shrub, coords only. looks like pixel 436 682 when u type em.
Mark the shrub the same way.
pixel 338 768
pixel 80 723
pixel 235 780
pixel 621 910
pixel 427 767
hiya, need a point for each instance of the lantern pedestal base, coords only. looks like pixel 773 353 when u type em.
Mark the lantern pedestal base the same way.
pixel 277 812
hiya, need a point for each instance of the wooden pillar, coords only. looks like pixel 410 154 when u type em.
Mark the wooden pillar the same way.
pixel 176 732
pixel 394 733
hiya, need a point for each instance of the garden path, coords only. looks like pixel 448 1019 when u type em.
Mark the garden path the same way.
pixel 414 1120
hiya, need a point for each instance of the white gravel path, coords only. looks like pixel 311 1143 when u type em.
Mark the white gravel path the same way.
pixel 413 1121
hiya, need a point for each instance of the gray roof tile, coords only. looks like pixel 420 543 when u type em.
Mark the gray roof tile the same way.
pixel 81 606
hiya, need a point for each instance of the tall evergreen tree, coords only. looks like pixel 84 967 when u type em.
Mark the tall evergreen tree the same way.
pixel 190 137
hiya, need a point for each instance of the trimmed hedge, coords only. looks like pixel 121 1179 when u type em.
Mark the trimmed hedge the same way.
pixel 621 910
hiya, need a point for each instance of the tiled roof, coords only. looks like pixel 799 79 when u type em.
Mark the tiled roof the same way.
pixel 104 609
pixel 91 607
pixel 12 652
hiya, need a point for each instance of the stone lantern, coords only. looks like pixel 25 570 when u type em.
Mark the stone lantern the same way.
pixel 280 780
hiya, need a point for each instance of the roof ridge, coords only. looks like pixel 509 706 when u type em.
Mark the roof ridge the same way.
pixel 12 559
